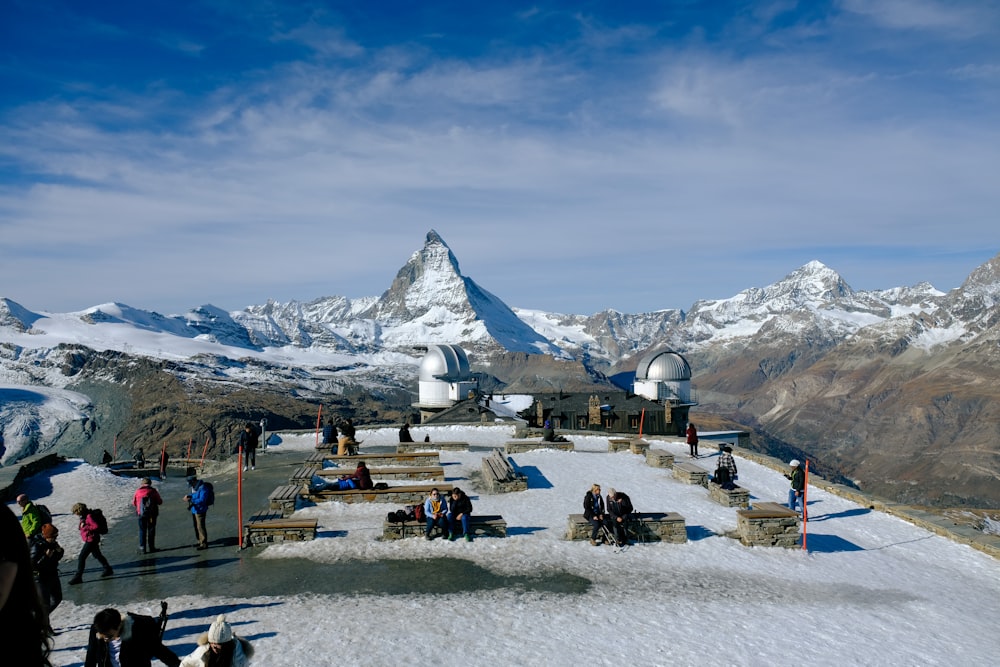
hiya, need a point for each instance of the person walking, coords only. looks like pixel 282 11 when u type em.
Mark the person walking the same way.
pixel 797 492
pixel 132 640
pixel 220 647
pixel 692 440
pixel 32 518
pixel 147 503
pixel 45 556
pixel 91 524
pixel 202 495
pixel 248 442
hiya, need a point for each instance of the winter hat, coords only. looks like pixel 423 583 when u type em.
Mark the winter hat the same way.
pixel 48 530
pixel 146 482
pixel 220 632
pixel 794 463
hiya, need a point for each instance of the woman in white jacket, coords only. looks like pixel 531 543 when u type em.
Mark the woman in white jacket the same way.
pixel 220 647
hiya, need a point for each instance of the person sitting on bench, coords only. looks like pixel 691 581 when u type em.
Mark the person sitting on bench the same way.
pixel 619 509
pixel 593 511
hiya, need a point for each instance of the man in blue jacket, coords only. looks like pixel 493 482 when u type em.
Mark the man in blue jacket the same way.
pixel 198 501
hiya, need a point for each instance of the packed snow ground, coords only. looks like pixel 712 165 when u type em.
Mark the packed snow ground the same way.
pixel 872 590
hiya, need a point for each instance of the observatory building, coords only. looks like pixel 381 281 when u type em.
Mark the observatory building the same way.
pixel 444 380
pixel 664 377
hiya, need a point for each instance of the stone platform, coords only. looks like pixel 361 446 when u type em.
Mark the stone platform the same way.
pixel 657 458
pixel 486 525
pixel 522 446
pixel 768 525
pixel 408 447
pixel 738 497
pixel 644 526
pixel 690 473
pixel 271 526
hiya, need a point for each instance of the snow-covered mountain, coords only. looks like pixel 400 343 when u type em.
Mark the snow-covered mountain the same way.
pixel 807 359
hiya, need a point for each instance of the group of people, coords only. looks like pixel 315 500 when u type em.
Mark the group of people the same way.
pixel 607 516
pixel 450 513
pixel 29 592
pixel 339 436
pixel 361 478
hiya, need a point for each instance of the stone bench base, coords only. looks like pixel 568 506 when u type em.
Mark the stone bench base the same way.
pixel 270 526
pixel 645 526
pixel 522 446
pixel 401 495
pixel 480 526
pixel 285 498
pixel 689 473
pixel 657 458
pixel 768 525
pixel 500 475
pixel 738 497
pixel 616 445
pixel 407 447
pixel 419 459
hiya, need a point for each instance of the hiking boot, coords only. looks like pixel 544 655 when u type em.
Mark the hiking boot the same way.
pixel 594 542
pixel 453 538
pixel 468 538
pixel 75 580
pixel 107 572
pixel 427 536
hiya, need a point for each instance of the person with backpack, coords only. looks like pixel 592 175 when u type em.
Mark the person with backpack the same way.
pixel 147 503
pixel 45 556
pixel 92 526
pixel 201 497
pixel 132 640
pixel 32 516
pixel 619 508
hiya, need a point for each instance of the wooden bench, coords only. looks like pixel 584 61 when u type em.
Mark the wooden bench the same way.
pixel 401 495
pixel 735 497
pixel 644 526
pixel 273 526
pixel 418 459
pixel 334 445
pixel 491 525
pixel 522 446
pixel 431 473
pixel 407 447
pixel 768 525
pixel 689 473
pixel 500 475
pixel 285 498
pixel 657 458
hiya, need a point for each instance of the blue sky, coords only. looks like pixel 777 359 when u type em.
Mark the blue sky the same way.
pixel 575 156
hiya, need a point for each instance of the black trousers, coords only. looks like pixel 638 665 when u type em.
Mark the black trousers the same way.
pixel 88 549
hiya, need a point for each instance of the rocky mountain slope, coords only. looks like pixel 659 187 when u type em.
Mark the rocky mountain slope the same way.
pixel 892 388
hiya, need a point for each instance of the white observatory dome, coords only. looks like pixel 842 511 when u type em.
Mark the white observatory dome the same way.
pixel 665 366
pixel 445 363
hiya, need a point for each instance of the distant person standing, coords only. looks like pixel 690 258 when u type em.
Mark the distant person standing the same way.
pixel 692 440
pixel 92 525
pixel 404 433
pixel 797 492
pixel 201 497
pixel 147 501
pixel 140 458
pixel 248 442
pixel 45 556
pixel 3 449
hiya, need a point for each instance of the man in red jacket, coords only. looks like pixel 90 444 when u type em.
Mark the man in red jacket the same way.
pixel 147 503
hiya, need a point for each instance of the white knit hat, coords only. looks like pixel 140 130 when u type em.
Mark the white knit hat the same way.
pixel 794 463
pixel 220 632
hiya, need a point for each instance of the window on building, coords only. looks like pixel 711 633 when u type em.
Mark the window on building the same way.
pixel 633 422
pixel 581 422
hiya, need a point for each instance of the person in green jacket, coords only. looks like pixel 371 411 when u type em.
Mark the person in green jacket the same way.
pixel 31 516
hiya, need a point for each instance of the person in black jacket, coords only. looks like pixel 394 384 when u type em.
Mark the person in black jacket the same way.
pixel 619 507
pixel 45 556
pixel 459 513
pixel 137 638
pixel 404 433
pixel 593 511
pixel 329 432
pixel 248 442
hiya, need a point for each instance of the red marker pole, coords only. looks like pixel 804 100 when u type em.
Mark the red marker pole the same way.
pixel 642 418
pixel 204 451
pixel 239 493
pixel 319 420
pixel 805 507
pixel 163 460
